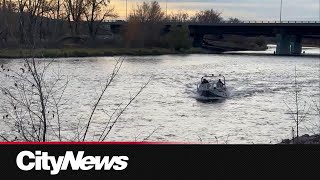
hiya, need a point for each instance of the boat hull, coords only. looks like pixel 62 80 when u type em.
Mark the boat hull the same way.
pixel 210 94
pixel 214 94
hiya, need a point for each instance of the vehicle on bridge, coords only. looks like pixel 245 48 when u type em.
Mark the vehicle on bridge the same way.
pixel 212 87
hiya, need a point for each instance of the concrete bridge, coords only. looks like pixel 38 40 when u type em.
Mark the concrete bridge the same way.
pixel 289 34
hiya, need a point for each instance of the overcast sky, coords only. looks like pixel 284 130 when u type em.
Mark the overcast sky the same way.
pixel 299 10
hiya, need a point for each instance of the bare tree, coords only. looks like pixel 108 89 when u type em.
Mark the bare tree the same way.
pixel 146 12
pixel 7 8
pixel 34 103
pixel 207 16
pixel 34 10
pixel 31 15
pixel 178 17
pixel 297 114
pixel 234 20
pixel 96 11
pixel 59 18
pixel 45 17
pixel 75 10
pixel 21 8
pixel 111 121
pixel 30 102
pixel 145 25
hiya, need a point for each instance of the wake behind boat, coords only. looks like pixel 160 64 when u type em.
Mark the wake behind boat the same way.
pixel 212 87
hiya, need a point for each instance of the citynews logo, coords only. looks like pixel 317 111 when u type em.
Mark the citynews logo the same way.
pixel 42 161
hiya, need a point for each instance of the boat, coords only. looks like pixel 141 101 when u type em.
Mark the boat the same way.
pixel 211 87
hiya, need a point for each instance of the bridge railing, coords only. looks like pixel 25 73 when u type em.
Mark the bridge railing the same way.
pixel 112 21
pixel 275 22
pixel 229 22
pixel 249 22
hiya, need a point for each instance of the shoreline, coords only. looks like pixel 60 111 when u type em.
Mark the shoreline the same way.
pixel 110 52
pixel 93 52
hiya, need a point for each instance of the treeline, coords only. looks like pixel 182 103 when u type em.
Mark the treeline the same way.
pixel 52 23
pixel 146 22
pixel 32 22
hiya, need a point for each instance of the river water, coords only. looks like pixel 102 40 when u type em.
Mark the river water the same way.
pixel 262 90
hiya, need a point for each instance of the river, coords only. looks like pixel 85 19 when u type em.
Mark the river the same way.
pixel 262 88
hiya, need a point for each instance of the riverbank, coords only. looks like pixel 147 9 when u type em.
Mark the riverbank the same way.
pixel 305 139
pixel 93 52
pixel 105 52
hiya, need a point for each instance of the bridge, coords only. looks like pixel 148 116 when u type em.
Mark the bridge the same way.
pixel 289 34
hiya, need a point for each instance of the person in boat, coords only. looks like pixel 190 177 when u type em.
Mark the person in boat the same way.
pixel 204 81
pixel 220 84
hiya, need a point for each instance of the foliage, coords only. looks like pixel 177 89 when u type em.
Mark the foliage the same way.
pixel 178 38
pixel 260 41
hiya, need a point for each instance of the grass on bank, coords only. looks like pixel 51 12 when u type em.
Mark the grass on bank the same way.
pixel 89 52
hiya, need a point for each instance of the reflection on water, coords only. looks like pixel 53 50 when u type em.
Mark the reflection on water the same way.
pixel 256 112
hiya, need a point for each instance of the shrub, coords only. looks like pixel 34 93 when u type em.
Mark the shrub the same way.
pixel 260 41
pixel 178 38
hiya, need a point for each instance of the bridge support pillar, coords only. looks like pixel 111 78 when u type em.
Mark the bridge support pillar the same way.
pixel 197 40
pixel 296 45
pixel 283 44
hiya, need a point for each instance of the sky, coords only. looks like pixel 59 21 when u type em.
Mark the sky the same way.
pixel 248 10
